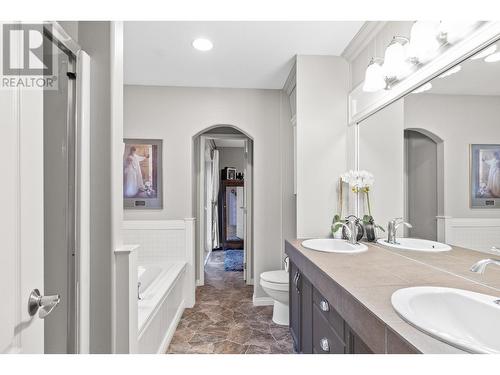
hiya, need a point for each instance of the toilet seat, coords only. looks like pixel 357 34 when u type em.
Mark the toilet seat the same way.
pixel 276 277
pixel 275 280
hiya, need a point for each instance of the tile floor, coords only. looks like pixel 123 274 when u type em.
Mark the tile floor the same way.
pixel 224 319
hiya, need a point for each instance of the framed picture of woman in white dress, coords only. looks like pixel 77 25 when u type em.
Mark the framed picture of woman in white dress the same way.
pixel 485 176
pixel 142 174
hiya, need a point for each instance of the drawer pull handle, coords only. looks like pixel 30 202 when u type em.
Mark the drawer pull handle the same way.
pixel 323 343
pixel 324 306
pixel 297 279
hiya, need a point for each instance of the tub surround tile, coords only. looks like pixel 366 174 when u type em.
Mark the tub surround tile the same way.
pixel 225 321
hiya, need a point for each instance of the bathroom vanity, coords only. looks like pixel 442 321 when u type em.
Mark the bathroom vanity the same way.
pixel 341 304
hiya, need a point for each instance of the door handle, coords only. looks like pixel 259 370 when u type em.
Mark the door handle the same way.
pixel 43 303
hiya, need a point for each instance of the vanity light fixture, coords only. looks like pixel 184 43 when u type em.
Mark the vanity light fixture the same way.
pixel 451 71
pixel 424 41
pixel 453 31
pixel 374 76
pixel 488 51
pixel 422 88
pixel 203 44
pixel 396 64
pixel 493 58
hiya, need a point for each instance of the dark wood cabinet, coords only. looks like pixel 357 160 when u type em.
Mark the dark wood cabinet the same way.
pixel 229 209
pixel 316 327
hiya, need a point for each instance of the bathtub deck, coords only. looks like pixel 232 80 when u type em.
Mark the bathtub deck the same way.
pixel 224 319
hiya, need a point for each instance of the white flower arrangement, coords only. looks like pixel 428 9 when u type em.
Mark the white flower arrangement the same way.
pixel 359 181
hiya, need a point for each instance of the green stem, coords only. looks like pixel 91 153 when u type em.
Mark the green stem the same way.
pixel 368 201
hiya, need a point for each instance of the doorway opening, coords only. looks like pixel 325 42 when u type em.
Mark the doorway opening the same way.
pixel 224 206
pixel 423 165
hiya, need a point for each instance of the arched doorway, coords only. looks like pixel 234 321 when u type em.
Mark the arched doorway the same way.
pixel 423 164
pixel 223 174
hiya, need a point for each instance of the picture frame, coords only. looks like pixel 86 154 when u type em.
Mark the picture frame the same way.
pixel 142 174
pixel 231 173
pixel 484 171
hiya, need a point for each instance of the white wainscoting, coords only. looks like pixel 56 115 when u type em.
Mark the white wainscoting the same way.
pixel 167 242
pixel 472 233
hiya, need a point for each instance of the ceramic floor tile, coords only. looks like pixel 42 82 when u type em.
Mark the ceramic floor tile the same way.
pixel 225 321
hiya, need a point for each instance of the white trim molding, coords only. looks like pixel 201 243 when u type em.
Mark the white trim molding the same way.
pixel 364 104
pixel 364 36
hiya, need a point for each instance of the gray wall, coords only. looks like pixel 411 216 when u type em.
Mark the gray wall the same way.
pixel 459 120
pixel 94 38
pixel 177 114
pixel 322 87
pixel 232 157
pixel 421 170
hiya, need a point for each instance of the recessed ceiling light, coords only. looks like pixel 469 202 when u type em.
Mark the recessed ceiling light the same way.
pixel 423 88
pixel 488 51
pixel 493 58
pixel 453 70
pixel 202 44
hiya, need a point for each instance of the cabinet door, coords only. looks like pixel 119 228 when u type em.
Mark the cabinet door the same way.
pixel 306 316
pixel 295 303
pixel 356 345
pixel 325 339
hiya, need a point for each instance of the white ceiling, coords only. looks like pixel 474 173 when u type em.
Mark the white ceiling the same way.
pixel 219 142
pixel 246 54
pixel 476 77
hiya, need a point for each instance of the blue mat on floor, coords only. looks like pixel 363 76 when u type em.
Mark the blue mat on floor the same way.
pixel 233 260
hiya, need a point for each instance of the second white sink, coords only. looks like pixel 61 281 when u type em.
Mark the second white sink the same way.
pixel 467 320
pixel 332 245
pixel 416 244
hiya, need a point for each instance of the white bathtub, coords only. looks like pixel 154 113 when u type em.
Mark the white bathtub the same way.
pixel 161 304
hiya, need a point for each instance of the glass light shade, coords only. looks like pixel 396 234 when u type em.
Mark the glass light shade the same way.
pixel 396 65
pixel 374 78
pixel 423 88
pixel 202 44
pixel 493 58
pixel 485 52
pixel 456 30
pixel 451 71
pixel 424 43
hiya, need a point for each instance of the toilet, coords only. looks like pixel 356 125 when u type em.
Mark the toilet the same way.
pixel 275 284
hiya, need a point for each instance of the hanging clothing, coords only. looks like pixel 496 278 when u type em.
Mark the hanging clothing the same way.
pixel 133 175
pixel 494 177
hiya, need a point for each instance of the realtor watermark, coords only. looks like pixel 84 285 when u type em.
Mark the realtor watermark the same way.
pixel 28 59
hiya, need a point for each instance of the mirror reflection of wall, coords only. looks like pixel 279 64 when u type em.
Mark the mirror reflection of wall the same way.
pixel 418 150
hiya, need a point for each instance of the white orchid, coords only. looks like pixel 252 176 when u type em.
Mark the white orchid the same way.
pixel 358 180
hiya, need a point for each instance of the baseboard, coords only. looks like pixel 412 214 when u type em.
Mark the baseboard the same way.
pixel 171 329
pixel 262 301
pixel 199 283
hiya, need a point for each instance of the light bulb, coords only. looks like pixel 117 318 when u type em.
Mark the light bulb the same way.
pixel 202 44
pixel 424 42
pixel 374 77
pixel 485 52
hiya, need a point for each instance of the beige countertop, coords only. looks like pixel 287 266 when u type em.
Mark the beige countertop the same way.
pixel 372 276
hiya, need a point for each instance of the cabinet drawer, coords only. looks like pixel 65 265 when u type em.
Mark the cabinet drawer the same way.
pixel 330 314
pixel 325 339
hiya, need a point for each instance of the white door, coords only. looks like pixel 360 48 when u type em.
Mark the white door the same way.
pixel 247 213
pixel 21 222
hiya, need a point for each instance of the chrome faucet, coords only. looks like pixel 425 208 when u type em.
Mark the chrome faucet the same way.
pixel 392 228
pixel 480 266
pixel 352 229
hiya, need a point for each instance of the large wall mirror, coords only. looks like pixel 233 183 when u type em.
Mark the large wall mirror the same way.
pixel 435 155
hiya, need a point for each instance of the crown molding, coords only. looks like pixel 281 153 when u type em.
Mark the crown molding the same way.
pixel 365 35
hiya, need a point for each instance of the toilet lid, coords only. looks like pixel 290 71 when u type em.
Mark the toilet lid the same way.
pixel 278 277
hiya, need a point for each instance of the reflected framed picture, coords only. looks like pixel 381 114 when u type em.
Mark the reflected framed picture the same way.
pixel 142 174
pixel 484 176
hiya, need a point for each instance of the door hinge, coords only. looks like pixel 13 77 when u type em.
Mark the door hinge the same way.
pixel 245 265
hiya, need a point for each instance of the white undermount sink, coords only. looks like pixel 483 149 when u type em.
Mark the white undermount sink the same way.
pixel 467 320
pixel 415 244
pixel 333 245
